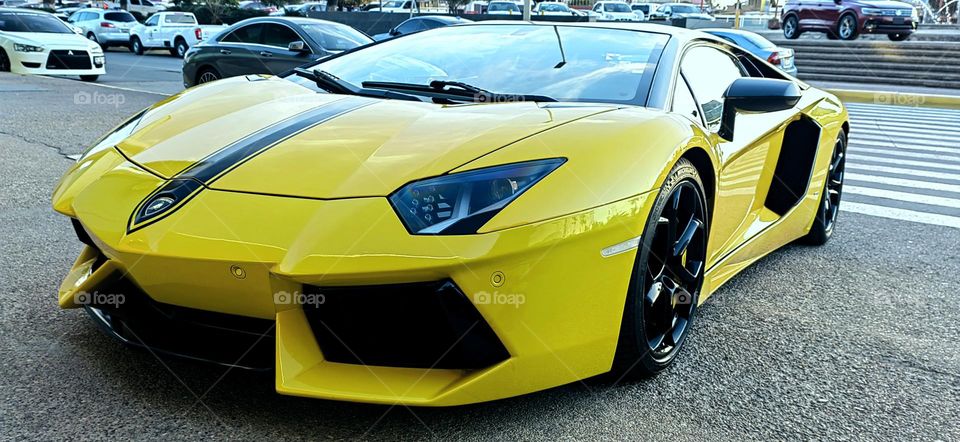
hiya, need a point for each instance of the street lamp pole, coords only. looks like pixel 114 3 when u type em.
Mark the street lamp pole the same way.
pixel 526 10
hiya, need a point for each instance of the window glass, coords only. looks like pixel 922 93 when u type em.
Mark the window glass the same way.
pixel 683 102
pixel 180 19
pixel 246 34
pixel 152 21
pixel 605 65
pixel 616 7
pixel 335 37
pixel 279 35
pixel 18 22
pixel 710 72
pixel 410 26
pixel 122 17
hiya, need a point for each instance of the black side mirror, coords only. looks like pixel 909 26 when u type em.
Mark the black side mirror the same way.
pixel 756 95
pixel 394 32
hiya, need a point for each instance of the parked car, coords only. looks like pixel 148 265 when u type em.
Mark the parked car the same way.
pixel 422 23
pixel 615 11
pixel 401 6
pixel 646 8
pixel 683 10
pixel 304 9
pixel 144 7
pixel 267 45
pixel 759 46
pixel 553 8
pixel 503 8
pixel 257 6
pixel 174 31
pixel 36 42
pixel 106 27
pixel 847 19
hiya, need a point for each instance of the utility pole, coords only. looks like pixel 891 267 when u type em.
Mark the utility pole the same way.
pixel 526 10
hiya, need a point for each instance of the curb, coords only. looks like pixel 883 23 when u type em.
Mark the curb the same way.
pixel 897 98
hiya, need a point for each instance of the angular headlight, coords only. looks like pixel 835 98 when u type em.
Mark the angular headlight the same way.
pixel 27 48
pixel 461 203
pixel 872 11
pixel 120 133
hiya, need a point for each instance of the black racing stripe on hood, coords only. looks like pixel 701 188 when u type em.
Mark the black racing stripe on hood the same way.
pixel 189 182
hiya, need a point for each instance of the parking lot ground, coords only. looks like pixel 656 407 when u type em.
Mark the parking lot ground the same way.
pixel 855 340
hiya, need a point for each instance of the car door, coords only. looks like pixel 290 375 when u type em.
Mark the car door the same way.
pixel 744 177
pixel 239 52
pixel 149 37
pixel 828 13
pixel 274 53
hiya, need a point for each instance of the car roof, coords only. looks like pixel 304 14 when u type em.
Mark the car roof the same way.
pixel 679 33
pixel 443 19
pixel 289 19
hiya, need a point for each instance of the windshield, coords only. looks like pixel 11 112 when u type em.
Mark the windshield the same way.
pixel 553 7
pixel 123 17
pixel 602 65
pixel 616 7
pixel 684 9
pixel 17 22
pixel 335 38
pixel 503 7
pixel 394 4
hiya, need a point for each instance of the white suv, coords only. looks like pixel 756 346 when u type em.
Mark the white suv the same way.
pixel 106 27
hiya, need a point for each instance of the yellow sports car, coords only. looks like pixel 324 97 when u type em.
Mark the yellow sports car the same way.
pixel 454 216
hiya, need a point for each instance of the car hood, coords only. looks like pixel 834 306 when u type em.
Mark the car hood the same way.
pixel 46 38
pixel 276 137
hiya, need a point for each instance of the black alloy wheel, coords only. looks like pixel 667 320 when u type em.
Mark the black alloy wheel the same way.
pixel 826 218
pixel 666 281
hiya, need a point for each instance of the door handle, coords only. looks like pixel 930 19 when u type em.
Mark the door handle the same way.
pixel 266 54
pixel 225 51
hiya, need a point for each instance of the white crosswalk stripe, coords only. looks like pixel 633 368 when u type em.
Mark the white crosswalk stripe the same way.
pixel 903 163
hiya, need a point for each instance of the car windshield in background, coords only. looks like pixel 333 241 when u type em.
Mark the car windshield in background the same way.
pixel 335 38
pixel 684 9
pixel 759 41
pixel 502 7
pixel 180 19
pixel 602 65
pixel 616 7
pixel 123 17
pixel 16 22
pixel 554 8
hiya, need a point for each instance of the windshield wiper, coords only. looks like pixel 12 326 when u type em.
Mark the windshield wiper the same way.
pixel 454 91
pixel 333 84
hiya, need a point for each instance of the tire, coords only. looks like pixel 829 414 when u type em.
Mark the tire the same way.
pixel 847 27
pixel 179 48
pixel 93 37
pixel 898 37
pixel 89 77
pixel 832 35
pixel 136 46
pixel 825 220
pixel 207 75
pixel 4 61
pixel 662 298
pixel 791 28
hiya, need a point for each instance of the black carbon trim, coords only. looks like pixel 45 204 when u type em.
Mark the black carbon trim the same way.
pixel 188 183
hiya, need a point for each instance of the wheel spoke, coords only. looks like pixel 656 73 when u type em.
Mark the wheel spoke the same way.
pixel 679 327
pixel 681 245
pixel 691 271
pixel 656 341
pixel 654 293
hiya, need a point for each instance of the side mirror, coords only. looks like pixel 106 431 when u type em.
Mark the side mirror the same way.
pixel 756 95
pixel 394 32
pixel 296 46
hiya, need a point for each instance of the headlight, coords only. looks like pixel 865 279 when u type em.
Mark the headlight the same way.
pixel 117 135
pixel 27 48
pixel 872 11
pixel 461 203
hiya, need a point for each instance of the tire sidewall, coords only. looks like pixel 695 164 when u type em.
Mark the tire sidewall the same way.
pixel 854 32
pixel 796 27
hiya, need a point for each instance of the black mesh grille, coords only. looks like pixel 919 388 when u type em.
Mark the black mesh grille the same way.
pixel 68 60
pixel 421 325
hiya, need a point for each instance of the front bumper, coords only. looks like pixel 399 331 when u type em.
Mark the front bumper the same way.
pixel 546 294
pixel 888 25
pixel 56 61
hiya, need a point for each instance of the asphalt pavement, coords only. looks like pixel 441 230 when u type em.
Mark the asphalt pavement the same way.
pixel 154 71
pixel 856 340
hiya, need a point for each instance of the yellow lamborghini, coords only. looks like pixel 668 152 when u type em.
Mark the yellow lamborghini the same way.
pixel 454 216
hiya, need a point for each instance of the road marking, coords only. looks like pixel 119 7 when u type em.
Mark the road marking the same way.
pixel 902 182
pixel 901 214
pixel 904 196
pixel 897 153
pixel 926 135
pixel 901 171
pixel 897 146
pixel 128 89
pixel 897 161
